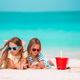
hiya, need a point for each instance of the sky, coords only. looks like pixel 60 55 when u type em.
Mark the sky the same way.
pixel 39 5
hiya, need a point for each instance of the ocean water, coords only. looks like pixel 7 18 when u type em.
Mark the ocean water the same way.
pixel 55 30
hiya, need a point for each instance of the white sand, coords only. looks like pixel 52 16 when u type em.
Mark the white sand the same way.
pixel 44 74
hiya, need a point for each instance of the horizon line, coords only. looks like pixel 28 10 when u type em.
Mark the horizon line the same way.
pixel 38 11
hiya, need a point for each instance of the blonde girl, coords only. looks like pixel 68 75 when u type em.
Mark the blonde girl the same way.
pixel 36 59
pixel 13 55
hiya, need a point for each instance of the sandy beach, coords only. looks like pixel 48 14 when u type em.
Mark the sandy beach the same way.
pixel 44 74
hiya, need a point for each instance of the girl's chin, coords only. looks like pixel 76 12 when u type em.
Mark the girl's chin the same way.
pixel 13 54
pixel 34 54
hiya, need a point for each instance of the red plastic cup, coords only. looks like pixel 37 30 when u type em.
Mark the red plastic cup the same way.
pixel 61 63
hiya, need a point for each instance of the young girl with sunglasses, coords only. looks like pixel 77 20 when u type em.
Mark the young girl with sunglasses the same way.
pixel 36 59
pixel 13 55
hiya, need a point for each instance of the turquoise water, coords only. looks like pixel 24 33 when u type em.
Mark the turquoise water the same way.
pixel 56 30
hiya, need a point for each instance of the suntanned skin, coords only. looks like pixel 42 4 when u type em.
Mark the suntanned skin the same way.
pixel 18 65
pixel 40 64
pixel 33 55
pixel 15 53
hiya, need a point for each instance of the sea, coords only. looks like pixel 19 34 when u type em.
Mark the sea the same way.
pixel 57 31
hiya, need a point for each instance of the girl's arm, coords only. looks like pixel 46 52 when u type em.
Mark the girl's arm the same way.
pixel 14 66
pixel 17 65
pixel 36 65
pixel 24 63
pixel 32 66
pixel 29 64
pixel 41 64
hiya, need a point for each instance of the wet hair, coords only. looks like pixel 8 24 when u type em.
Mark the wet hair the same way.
pixel 4 56
pixel 32 43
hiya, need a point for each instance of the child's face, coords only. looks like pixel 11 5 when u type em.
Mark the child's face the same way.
pixel 14 52
pixel 35 49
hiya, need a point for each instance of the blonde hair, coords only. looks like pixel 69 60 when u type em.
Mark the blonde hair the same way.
pixel 4 56
pixel 33 42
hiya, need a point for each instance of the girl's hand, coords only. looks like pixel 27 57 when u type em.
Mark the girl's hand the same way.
pixel 34 67
pixel 35 62
pixel 46 67
pixel 17 65
pixel 23 66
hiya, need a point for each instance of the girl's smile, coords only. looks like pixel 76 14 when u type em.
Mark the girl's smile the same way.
pixel 12 53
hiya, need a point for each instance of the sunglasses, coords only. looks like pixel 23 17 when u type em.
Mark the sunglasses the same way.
pixel 14 48
pixel 35 49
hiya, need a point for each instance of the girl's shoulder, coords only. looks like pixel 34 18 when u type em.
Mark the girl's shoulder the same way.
pixel 40 57
pixel 40 54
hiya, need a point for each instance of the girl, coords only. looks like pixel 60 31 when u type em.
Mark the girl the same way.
pixel 36 59
pixel 13 55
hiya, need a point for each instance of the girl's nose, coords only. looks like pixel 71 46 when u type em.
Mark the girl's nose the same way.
pixel 36 50
pixel 11 49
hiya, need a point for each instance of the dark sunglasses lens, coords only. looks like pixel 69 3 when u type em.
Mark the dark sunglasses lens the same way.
pixel 34 49
pixel 38 50
pixel 14 48
pixel 9 48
